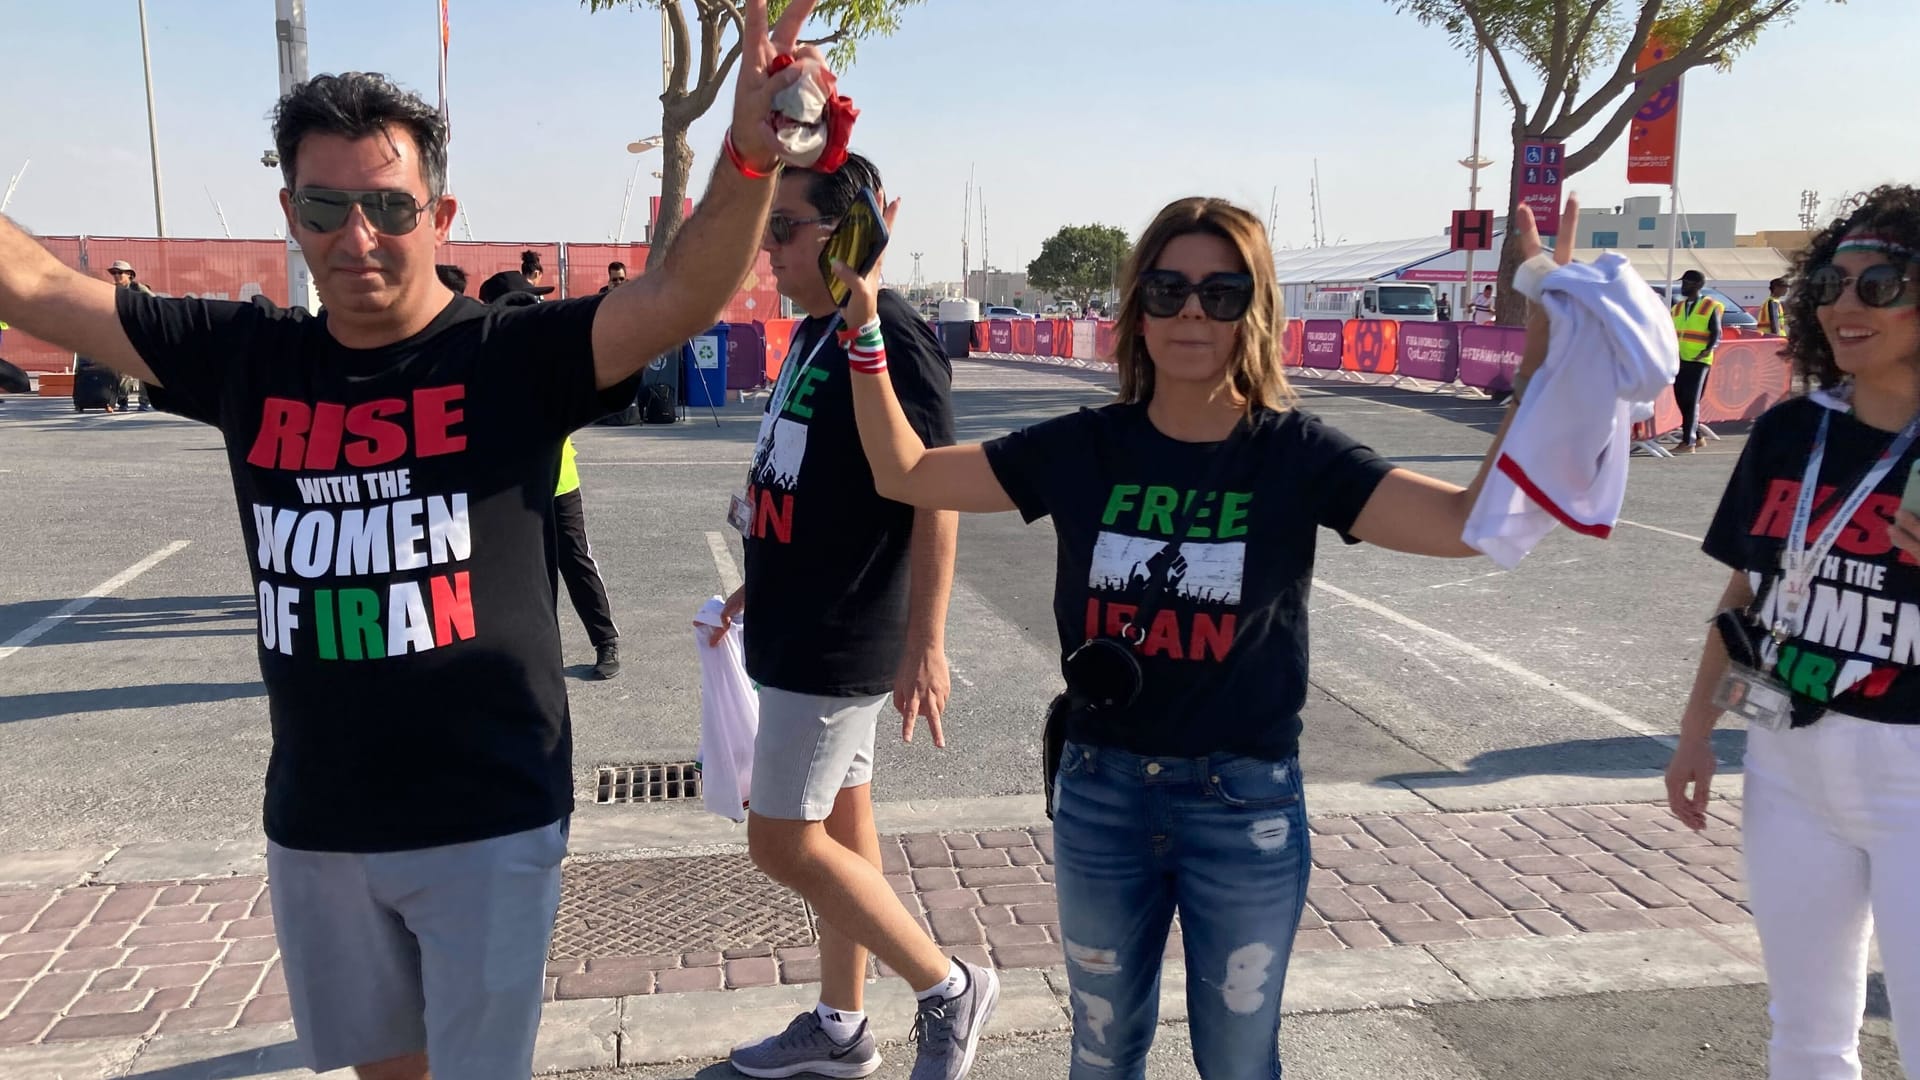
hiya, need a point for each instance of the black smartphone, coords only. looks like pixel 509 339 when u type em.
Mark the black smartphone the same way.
pixel 857 240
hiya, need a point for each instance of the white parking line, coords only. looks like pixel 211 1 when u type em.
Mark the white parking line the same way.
pixel 1502 664
pixel 1669 532
pixel 723 562
pixel 75 606
pixel 697 464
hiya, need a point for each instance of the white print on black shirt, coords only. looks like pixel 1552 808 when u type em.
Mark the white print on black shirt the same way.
pixel 1202 581
pixel 368 524
pixel 1865 639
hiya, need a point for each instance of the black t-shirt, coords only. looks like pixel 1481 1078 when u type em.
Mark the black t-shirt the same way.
pixel 397 510
pixel 826 604
pixel 1860 644
pixel 1225 660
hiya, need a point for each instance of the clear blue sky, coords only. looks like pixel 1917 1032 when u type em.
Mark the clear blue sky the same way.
pixel 1070 111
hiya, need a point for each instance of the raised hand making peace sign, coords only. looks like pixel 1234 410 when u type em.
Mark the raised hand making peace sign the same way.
pixel 753 134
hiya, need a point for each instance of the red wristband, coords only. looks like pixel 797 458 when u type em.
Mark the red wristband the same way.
pixel 739 162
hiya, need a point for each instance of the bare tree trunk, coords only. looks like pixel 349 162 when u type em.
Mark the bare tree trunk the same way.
pixel 1509 307
pixel 677 165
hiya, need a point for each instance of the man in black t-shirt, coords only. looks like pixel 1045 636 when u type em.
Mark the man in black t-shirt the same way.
pixel 394 461
pixel 845 601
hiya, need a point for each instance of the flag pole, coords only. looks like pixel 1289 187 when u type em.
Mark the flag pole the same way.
pixel 1673 191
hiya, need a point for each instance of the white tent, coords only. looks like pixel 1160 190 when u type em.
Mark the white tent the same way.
pixel 1741 273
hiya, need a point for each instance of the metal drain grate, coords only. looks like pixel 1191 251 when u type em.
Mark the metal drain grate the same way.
pixel 665 907
pixel 650 782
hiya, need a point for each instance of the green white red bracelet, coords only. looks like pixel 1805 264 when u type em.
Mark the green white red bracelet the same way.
pixel 866 349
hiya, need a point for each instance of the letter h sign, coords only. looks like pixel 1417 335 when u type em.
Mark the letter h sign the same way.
pixel 1472 230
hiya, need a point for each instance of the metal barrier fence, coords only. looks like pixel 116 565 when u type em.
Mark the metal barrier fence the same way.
pixel 1749 373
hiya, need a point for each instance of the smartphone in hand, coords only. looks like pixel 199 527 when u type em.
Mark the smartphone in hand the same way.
pixel 857 240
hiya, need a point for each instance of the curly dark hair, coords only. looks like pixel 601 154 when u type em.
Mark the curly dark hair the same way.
pixel 1891 211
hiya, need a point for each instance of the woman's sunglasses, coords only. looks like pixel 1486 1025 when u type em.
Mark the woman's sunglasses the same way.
pixel 1876 286
pixel 1224 297
pixel 325 210
pixel 782 228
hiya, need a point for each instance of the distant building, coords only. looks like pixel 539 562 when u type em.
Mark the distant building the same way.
pixel 1790 241
pixel 1006 288
pixel 1639 223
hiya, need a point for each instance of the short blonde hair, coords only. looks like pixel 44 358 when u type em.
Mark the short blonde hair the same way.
pixel 1257 365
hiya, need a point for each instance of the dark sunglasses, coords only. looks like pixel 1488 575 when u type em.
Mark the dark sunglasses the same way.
pixel 325 210
pixel 1876 286
pixel 1224 297
pixel 781 227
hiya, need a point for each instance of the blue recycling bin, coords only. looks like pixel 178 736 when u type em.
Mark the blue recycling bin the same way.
pixel 705 362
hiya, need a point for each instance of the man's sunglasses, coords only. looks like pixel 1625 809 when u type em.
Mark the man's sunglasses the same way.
pixel 782 228
pixel 325 210
pixel 1876 286
pixel 1224 297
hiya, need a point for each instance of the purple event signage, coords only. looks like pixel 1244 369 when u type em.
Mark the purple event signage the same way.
pixel 1323 344
pixel 1489 355
pixel 1430 351
pixel 1043 338
pixel 1000 337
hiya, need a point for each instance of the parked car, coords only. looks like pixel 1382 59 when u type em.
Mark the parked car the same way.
pixel 997 311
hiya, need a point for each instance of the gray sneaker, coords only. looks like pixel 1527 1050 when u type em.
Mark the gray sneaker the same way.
pixel 948 1029
pixel 805 1047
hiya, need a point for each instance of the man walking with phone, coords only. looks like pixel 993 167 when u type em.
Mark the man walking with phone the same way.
pixel 394 459
pixel 845 600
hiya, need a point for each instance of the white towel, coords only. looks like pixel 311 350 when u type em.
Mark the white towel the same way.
pixel 729 716
pixel 1610 352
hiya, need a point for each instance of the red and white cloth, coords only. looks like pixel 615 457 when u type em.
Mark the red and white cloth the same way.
pixel 812 120
pixel 1610 353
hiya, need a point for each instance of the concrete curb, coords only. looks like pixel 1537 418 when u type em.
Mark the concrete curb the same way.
pixel 666 1028
pixel 606 832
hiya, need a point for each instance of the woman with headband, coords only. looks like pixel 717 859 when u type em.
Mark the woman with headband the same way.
pixel 1816 646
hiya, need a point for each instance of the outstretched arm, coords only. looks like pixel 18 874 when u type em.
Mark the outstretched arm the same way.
pixel 41 296
pixel 714 250
pixel 1424 516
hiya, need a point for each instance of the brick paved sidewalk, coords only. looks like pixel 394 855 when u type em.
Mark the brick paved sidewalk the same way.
pixel 165 957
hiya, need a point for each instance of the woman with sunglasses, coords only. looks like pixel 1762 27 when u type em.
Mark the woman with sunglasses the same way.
pixel 1816 646
pixel 1198 494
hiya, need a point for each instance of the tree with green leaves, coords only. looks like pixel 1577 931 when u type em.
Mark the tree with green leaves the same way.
pixel 698 70
pixel 1080 261
pixel 1584 52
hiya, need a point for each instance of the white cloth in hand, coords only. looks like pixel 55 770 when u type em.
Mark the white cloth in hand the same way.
pixel 1610 353
pixel 729 716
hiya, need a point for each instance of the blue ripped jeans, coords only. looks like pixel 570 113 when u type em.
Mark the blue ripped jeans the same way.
pixel 1223 841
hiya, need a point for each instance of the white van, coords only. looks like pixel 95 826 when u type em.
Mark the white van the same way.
pixel 1399 301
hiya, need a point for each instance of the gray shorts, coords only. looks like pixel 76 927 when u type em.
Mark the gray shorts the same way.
pixel 808 748
pixel 442 949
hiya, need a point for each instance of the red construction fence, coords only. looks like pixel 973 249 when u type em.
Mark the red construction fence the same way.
pixel 1749 373
pixel 242 269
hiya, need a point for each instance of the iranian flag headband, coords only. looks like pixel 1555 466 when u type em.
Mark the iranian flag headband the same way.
pixel 812 120
pixel 1875 243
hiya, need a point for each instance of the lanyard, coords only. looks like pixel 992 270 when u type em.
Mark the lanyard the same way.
pixel 1798 562
pixel 783 389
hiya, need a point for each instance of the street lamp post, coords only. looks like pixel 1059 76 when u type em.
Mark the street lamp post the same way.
pixel 639 149
pixel 153 128
pixel 1474 163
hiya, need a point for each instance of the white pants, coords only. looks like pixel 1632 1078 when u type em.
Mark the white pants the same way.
pixel 1832 837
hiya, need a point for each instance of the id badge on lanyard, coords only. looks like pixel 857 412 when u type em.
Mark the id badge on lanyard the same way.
pixel 1800 563
pixel 740 507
